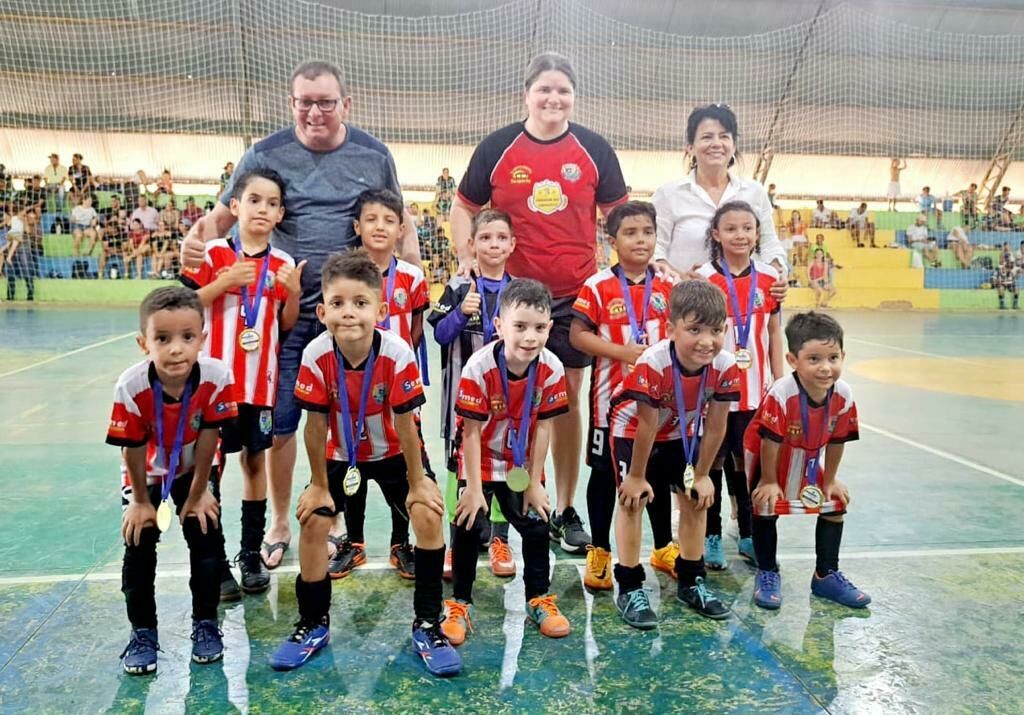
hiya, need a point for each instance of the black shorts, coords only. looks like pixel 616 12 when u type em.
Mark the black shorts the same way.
pixel 736 426
pixel 252 430
pixel 665 464
pixel 599 448
pixel 390 469
pixel 558 340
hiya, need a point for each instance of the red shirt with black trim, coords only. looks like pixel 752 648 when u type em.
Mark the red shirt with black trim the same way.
pixel 481 398
pixel 551 190
pixel 133 418
pixel 410 297
pixel 395 388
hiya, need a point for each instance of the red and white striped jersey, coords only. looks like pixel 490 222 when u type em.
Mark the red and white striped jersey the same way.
pixel 755 380
pixel 778 419
pixel 255 372
pixel 651 382
pixel 133 418
pixel 411 296
pixel 481 398
pixel 600 305
pixel 395 388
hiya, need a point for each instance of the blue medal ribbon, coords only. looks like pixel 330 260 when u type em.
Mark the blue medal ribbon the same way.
pixel 812 467
pixel 520 435
pixel 389 291
pixel 170 459
pixel 351 439
pixel 689 443
pixel 637 324
pixel 251 311
pixel 741 323
pixel 486 316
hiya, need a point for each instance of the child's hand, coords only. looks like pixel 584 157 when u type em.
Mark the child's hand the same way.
pixel 425 492
pixel 204 507
pixel 136 518
pixel 779 289
pixel 536 497
pixel 634 491
pixel 836 491
pixel 471 303
pixel 312 498
pixel 241 273
pixel 470 504
pixel 291 277
pixel 631 353
pixel 704 490
pixel 765 495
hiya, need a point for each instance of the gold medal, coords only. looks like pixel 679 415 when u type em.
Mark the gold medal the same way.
pixel 689 477
pixel 163 516
pixel 249 340
pixel 518 479
pixel 743 359
pixel 353 479
pixel 812 497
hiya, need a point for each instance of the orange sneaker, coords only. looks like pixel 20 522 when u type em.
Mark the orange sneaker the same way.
pixel 664 559
pixel 544 613
pixel 598 574
pixel 457 618
pixel 447 573
pixel 502 563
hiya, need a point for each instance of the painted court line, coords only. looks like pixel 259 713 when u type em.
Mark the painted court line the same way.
pixel 962 461
pixel 69 353
pixel 916 352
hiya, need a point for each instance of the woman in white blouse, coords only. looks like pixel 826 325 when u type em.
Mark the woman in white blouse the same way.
pixel 685 206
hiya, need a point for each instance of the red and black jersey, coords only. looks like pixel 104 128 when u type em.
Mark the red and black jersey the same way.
pixel 552 190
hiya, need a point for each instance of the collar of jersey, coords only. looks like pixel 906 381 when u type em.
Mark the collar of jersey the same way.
pixel 500 345
pixel 375 349
pixel 261 254
pixel 193 377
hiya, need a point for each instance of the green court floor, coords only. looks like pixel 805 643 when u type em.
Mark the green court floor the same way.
pixel 934 535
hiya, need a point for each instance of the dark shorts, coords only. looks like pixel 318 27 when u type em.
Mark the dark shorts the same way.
pixel 599 448
pixel 665 464
pixel 252 430
pixel 558 340
pixel 286 412
pixel 382 471
pixel 736 426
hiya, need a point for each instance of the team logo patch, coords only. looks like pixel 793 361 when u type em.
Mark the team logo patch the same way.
pixel 197 419
pixel 266 421
pixel 401 297
pixel 758 298
pixel 379 393
pixel 571 172
pixel 658 302
pixel 617 308
pixel 537 398
pixel 521 174
pixel 547 198
pixel 271 280
pixel 497 404
pixel 795 430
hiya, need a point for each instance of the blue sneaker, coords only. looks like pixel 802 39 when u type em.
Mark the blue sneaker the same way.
pixel 431 644
pixel 139 656
pixel 207 641
pixel 836 587
pixel 307 639
pixel 714 553
pixel 768 589
pixel 746 549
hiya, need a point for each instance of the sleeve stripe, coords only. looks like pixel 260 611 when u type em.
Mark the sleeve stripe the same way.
pixel 409 405
pixel 470 415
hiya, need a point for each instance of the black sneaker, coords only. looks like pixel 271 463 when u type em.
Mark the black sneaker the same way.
pixel 403 559
pixel 635 608
pixel 700 599
pixel 229 590
pixel 567 531
pixel 348 557
pixel 255 576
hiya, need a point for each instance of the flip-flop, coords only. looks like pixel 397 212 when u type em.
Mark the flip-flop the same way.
pixel 271 549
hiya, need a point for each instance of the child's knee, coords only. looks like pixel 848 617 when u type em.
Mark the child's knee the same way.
pixel 316 528
pixel 426 522
pixel 199 543
pixel 148 540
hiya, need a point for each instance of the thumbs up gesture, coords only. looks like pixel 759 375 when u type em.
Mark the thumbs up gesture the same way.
pixel 471 303
pixel 291 277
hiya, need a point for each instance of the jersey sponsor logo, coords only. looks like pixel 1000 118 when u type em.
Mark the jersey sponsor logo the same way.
pixel 571 172
pixel 617 308
pixel 658 303
pixel 408 385
pixel 581 304
pixel 401 297
pixel 221 408
pixel 521 174
pixel 119 426
pixel 306 388
pixel 379 393
pixel 470 401
pixel 547 198
pixel 266 421
pixel 795 430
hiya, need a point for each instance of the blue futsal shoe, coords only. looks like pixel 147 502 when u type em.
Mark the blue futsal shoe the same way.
pixel 207 641
pixel 768 589
pixel 836 587
pixel 746 550
pixel 302 644
pixel 714 553
pixel 139 656
pixel 431 644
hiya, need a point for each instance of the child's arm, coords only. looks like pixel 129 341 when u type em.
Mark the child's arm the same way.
pixel 768 490
pixel 416 328
pixel 635 488
pixel 451 325
pixel 239 274
pixel 201 502
pixel 714 433
pixel 584 339
pixel 775 355
pixel 291 278
pixel 471 501
pixel 421 490
pixel 317 495
pixel 140 512
pixel 831 487
pixel 536 497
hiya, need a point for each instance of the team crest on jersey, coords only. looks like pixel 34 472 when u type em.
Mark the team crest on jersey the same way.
pixel 497 404
pixel 795 430
pixel 521 174
pixel 196 422
pixel 547 198
pixel 658 303
pixel 379 393
pixel 617 308
pixel 537 399
pixel 758 298
pixel 271 280
pixel 266 421
pixel 571 172
pixel 401 297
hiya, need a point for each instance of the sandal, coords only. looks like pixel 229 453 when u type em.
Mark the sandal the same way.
pixel 270 550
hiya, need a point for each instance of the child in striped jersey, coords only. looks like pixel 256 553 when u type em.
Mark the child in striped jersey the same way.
pixel 463 323
pixel 250 291
pixel 754 335
pixel 618 313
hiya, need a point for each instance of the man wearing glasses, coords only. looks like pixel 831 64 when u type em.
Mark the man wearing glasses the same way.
pixel 325 164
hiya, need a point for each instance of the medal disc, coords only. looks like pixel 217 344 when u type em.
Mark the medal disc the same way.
pixel 249 340
pixel 163 516
pixel 743 359
pixel 352 481
pixel 689 476
pixel 518 479
pixel 811 497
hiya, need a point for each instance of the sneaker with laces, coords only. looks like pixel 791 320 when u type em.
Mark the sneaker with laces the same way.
pixel 768 589
pixel 834 586
pixel 703 601
pixel 458 617
pixel 255 576
pixel 307 638
pixel 598 574
pixel 746 550
pixel 349 556
pixel 229 590
pixel 502 563
pixel 446 574
pixel 438 654
pixel 207 641
pixel 403 560
pixel 664 559
pixel 635 608
pixel 544 613
pixel 714 554
pixel 566 530
pixel 139 656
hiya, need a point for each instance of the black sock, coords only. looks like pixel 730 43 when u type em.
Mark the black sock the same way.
pixel 659 512
pixel 254 524
pixel 314 598
pixel 427 594
pixel 766 542
pixel 827 537
pixel 714 525
pixel 737 481
pixel 630 578
pixel 688 571
pixel 464 558
pixel 601 506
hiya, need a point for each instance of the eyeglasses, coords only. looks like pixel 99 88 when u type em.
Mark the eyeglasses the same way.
pixel 324 105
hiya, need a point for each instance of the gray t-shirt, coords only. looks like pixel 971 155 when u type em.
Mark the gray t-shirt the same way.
pixel 321 189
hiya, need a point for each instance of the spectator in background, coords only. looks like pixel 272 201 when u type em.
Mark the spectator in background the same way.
pixel 798 237
pixel 165 185
pixel 1020 254
pixel 54 176
pixel 163 248
pixel 138 245
pixel 80 175
pixel 444 183
pixel 1000 201
pixel 969 203
pixel 135 187
pixel 191 213
pixel 114 211
pixel 225 176
pixel 17 261
pixel 860 226
pixel 892 193
pixel 1005 278
pixel 926 203
pixel 820 279
pixel 84 224
pixel 821 217
pixel 146 214
pixel 171 217
pixel 917 238
pixel 113 247
pixel 443 205
pixel 960 243
pixel 34 195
